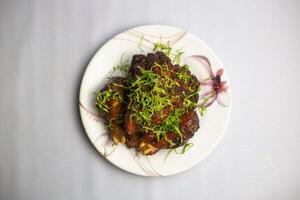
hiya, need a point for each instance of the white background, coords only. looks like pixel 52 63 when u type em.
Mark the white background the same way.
pixel 45 47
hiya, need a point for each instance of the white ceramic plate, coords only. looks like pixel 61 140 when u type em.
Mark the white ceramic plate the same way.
pixel 198 56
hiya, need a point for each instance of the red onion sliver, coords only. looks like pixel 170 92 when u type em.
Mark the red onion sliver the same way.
pixel 220 101
pixel 207 83
pixel 219 72
pixel 205 62
pixel 223 86
pixel 211 101
pixel 223 99
pixel 205 94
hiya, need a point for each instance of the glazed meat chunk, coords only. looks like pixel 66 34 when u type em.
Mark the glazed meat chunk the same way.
pixel 153 107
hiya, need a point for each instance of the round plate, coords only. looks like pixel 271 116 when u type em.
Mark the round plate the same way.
pixel 203 63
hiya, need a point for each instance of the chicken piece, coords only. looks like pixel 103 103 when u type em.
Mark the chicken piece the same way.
pixel 138 61
pixel 187 85
pixel 131 129
pixel 118 133
pixel 159 118
pixel 149 62
pixel 189 124
pixel 149 144
pixel 114 101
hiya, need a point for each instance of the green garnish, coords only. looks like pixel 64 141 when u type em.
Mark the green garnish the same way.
pixel 184 149
pixel 141 44
pixel 166 48
pixel 122 67
pixel 151 93
pixel 177 56
pixel 109 125
pixel 102 97
pixel 202 110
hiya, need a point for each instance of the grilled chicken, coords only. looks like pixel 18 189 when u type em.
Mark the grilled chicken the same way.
pixel 115 105
pixel 180 93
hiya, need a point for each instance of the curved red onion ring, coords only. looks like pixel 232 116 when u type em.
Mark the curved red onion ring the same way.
pixel 205 62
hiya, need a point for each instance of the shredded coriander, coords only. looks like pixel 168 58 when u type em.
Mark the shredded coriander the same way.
pixel 166 48
pixel 122 67
pixel 141 44
pixel 183 150
pixel 150 93
pixel 177 56
pixel 202 110
pixel 102 97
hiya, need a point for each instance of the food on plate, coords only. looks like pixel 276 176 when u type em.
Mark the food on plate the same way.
pixel 153 107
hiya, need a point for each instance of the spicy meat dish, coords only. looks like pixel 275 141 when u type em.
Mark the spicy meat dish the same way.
pixel 153 107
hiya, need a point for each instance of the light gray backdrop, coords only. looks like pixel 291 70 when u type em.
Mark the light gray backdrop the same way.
pixel 45 47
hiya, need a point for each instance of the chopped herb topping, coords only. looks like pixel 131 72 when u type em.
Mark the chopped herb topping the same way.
pixel 122 67
pixel 150 93
pixel 103 96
